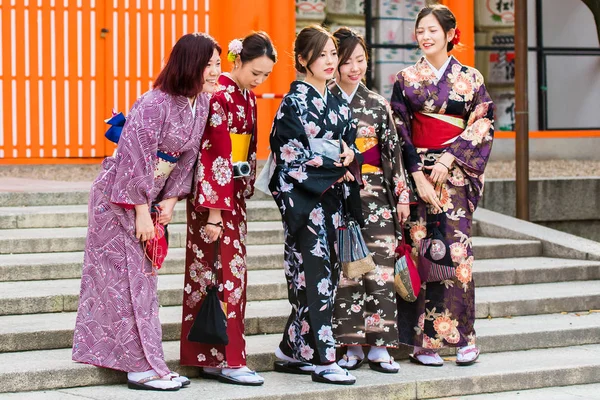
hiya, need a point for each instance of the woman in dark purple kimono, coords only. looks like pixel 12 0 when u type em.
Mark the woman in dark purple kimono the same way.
pixel 117 322
pixel 445 118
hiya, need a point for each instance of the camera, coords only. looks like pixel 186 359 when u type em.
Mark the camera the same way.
pixel 241 169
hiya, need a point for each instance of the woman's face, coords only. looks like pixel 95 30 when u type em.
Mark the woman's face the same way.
pixel 431 37
pixel 252 73
pixel 354 69
pixel 211 73
pixel 323 68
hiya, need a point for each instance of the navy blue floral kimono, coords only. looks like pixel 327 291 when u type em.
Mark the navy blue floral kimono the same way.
pixel 305 189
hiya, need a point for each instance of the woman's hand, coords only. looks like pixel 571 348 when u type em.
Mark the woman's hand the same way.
pixel 167 206
pixel 144 227
pixel 403 211
pixel 346 157
pixel 348 177
pixel 426 191
pixel 441 169
pixel 214 226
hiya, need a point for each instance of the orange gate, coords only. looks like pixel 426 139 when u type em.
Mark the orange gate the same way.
pixel 66 63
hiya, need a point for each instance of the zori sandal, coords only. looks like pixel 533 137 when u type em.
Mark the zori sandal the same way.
pixel 426 357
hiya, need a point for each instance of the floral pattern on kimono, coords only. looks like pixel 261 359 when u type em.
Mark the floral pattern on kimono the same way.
pixel 444 313
pixel 231 110
pixel 365 307
pixel 304 187
pixel 117 322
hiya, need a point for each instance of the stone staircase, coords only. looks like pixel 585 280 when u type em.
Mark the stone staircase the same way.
pixel 537 321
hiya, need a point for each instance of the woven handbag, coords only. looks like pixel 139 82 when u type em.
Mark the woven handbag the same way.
pixel 210 325
pixel 406 276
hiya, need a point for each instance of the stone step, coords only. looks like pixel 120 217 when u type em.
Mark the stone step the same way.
pixel 46 266
pixel 515 370
pixel 76 215
pixel 487 272
pixel 32 297
pixel 49 240
pixel 574 392
pixel 62 194
pixel 53 331
pixel 63 294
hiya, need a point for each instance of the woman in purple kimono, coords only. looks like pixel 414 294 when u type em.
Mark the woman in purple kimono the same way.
pixel 444 115
pixel 117 323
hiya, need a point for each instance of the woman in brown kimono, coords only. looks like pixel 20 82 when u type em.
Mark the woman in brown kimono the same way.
pixel 365 307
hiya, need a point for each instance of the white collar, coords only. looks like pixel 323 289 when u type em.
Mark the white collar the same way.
pixel 439 72
pixel 346 96
pixel 323 96
pixel 193 106
pixel 242 91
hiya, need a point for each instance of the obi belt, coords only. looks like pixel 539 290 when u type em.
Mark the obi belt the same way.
pixel 240 145
pixel 435 131
pixel 369 147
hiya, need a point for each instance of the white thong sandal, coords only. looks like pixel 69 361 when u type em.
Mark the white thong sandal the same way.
pixel 154 382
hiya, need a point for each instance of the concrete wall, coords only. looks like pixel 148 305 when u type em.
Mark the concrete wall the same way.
pixel 550 149
pixel 568 204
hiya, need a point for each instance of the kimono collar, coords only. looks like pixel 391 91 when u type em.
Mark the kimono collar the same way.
pixel 439 72
pixel 346 96
pixel 226 79
pixel 323 96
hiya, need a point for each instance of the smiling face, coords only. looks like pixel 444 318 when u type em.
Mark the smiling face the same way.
pixel 431 37
pixel 252 73
pixel 211 73
pixel 354 69
pixel 323 68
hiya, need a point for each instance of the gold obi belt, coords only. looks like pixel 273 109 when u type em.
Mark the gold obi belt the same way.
pixel 368 146
pixel 240 144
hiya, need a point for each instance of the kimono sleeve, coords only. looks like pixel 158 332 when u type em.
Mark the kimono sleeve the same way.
pixel 214 188
pixel 249 189
pixel 403 116
pixel 136 155
pixel 179 183
pixel 298 165
pixel 393 164
pixel 474 145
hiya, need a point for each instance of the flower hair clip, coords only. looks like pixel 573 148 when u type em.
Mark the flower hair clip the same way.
pixel 235 48
pixel 456 39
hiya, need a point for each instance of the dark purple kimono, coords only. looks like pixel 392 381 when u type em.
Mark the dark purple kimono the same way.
pixel 444 313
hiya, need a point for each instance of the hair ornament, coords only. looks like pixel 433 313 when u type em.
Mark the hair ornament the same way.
pixel 235 48
pixel 455 40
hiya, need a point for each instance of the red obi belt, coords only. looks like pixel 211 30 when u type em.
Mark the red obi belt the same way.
pixel 435 131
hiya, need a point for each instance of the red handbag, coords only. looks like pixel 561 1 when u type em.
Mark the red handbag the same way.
pixel 157 247
pixel 406 276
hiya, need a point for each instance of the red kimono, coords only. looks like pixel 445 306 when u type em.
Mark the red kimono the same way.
pixel 230 135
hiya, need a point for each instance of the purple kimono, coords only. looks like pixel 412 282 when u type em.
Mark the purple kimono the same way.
pixel 444 313
pixel 117 321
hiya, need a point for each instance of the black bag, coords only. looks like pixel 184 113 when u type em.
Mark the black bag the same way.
pixel 210 325
pixel 434 255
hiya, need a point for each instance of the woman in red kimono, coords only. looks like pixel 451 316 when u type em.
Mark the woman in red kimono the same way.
pixel 218 210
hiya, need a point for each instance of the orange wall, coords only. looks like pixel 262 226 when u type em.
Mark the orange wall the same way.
pixel 464 11
pixel 231 19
